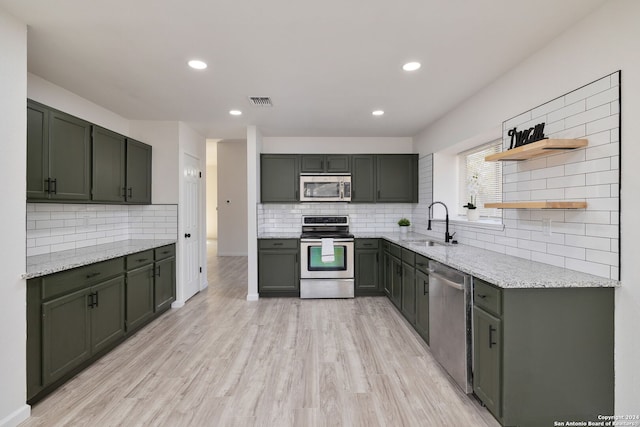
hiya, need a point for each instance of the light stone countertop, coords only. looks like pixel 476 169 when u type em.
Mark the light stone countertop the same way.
pixel 41 265
pixel 502 270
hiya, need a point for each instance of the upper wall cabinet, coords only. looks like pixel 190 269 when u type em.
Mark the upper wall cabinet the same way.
pixel 108 166
pixel 58 155
pixel 363 178
pixel 138 172
pixel 324 163
pixel 397 178
pixel 279 178
pixel 69 159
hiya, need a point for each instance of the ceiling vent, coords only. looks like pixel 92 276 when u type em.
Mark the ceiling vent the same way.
pixel 260 101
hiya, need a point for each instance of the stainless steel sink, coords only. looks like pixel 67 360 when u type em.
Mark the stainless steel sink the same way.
pixel 427 242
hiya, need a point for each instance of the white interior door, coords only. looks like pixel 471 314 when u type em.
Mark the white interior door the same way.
pixel 191 226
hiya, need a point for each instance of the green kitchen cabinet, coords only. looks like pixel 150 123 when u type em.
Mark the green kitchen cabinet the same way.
pixel 422 304
pixel 363 178
pixel 108 166
pixel 324 163
pixel 396 282
pixel 278 267
pixel 408 306
pixel 58 155
pixel 138 172
pixel 80 324
pixel 367 268
pixel 397 178
pixel 386 268
pixel 165 277
pixel 543 354
pixel 140 294
pixel 279 178
pixel 487 345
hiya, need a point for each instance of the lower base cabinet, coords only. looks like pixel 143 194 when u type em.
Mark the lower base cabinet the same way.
pixel 76 316
pixel 543 355
pixel 422 303
pixel 278 267
pixel 367 268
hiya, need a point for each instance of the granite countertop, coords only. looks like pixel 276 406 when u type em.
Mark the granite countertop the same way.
pixel 502 270
pixel 41 265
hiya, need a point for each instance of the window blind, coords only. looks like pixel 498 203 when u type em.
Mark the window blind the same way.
pixel 484 179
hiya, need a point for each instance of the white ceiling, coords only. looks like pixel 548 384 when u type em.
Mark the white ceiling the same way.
pixel 325 64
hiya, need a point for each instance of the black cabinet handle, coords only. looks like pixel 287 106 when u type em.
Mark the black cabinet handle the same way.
pixel 96 299
pixel 158 271
pixel 277 244
pixel 124 192
pixel 89 276
pixel 187 235
pixel 378 194
pixel 48 186
pixel 491 331
pixel 93 300
pixel 54 190
pixel 130 192
pixel 165 252
pixel 142 259
pixel 90 299
pixel 367 244
pixel 297 195
pixel 481 296
pixel 425 287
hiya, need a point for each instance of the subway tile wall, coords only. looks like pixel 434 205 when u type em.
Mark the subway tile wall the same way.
pixel 586 239
pixel 53 227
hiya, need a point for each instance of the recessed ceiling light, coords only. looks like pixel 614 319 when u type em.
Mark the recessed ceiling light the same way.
pixel 197 64
pixel 235 112
pixel 411 66
pixel 377 112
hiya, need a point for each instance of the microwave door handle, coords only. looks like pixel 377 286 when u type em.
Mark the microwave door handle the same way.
pixel 341 190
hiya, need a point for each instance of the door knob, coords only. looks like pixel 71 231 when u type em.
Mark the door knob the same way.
pixel 187 235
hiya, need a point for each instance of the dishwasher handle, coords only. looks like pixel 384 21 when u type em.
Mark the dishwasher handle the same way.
pixel 446 280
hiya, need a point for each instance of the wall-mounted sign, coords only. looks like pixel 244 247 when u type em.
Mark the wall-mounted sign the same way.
pixel 525 137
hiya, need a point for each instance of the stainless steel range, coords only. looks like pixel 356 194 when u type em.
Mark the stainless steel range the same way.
pixel 327 257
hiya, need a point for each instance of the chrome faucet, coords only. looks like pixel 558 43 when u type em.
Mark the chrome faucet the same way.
pixel 447 236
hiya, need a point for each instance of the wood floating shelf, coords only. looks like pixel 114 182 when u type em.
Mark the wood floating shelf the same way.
pixel 537 149
pixel 537 205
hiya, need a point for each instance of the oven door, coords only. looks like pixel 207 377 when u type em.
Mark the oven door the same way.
pixel 312 267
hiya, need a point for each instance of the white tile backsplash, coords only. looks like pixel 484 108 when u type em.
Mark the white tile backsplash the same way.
pixel 53 227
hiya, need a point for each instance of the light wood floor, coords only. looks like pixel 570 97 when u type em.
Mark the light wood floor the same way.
pixel 223 361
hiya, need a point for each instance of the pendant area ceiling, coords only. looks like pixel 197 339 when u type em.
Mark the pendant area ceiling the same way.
pixel 325 65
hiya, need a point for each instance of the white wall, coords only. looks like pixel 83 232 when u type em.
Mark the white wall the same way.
pixel 604 42
pixel 163 136
pixel 232 198
pixel 49 94
pixel 254 147
pixel 212 201
pixel 349 145
pixel 13 136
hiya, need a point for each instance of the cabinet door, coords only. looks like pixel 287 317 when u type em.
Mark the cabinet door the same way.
pixel 165 284
pixel 69 157
pixel 397 178
pixel 312 163
pixel 138 172
pixel 139 296
pixel 107 314
pixel 366 270
pixel 37 151
pixel 422 304
pixel 396 281
pixel 108 166
pixel 409 292
pixel 279 178
pixel 362 178
pixel 487 355
pixel 387 274
pixel 66 334
pixel 337 163
pixel 278 270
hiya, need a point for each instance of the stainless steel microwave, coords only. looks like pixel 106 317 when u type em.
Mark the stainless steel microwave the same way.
pixel 325 188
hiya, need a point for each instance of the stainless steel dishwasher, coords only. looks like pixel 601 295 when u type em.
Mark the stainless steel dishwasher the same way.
pixel 450 322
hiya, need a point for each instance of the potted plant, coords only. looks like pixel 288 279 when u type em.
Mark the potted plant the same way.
pixel 472 210
pixel 404 224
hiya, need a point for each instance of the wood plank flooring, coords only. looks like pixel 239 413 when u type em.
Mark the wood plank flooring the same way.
pixel 223 361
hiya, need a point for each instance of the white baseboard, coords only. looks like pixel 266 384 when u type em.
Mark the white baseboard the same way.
pixel 253 297
pixel 177 304
pixel 15 418
pixel 232 253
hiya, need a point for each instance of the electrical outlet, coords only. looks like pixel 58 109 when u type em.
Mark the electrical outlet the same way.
pixel 546 226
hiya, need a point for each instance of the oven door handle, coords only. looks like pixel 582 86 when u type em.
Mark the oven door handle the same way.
pixel 339 240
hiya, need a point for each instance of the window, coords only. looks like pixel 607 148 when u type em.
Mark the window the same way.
pixel 481 180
